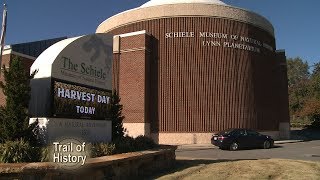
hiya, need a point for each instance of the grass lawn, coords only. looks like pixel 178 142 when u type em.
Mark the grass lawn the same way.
pixel 244 169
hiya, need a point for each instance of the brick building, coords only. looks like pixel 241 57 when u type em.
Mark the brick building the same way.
pixel 186 69
pixel 27 53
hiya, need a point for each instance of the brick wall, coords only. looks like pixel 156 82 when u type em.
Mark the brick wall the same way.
pixel 202 89
pixel 132 61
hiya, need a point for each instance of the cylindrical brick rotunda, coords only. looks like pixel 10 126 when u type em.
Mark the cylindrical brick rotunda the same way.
pixel 185 69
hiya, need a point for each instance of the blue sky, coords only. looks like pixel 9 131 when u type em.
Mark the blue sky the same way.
pixel 296 22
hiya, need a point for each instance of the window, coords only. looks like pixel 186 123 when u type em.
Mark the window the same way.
pixel 252 133
pixel 239 132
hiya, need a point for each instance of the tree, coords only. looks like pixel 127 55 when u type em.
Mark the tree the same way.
pixel 14 119
pixel 116 116
pixel 312 110
pixel 298 82
pixel 315 81
pixel 304 90
pixel 297 71
pixel 316 70
pixel 304 97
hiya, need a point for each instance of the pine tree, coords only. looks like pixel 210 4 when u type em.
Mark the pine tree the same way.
pixel 14 119
pixel 116 116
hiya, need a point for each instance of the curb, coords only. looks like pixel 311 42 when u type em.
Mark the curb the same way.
pixel 288 141
pixel 196 146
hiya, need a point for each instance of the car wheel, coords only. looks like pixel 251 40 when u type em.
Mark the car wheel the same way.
pixel 266 144
pixel 234 146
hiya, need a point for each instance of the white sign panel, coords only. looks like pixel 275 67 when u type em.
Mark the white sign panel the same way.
pixel 87 61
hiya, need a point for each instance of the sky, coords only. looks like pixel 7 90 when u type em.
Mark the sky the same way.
pixel 296 22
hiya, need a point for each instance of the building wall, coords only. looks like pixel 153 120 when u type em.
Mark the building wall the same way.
pixel 283 100
pixel 133 56
pixel 134 77
pixel 207 89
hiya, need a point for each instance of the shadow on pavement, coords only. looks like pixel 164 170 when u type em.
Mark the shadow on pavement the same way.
pixel 181 165
pixel 276 146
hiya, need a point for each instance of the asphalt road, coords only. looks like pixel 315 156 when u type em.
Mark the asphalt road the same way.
pixel 308 150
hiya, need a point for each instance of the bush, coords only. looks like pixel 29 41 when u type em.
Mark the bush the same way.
pixel 122 145
pixel 129 144
pixel 143 143
pixel 125 144
pixel 45 154
pixel 14 119
pixel 314 125
pixel 19 151
pixel 116 116
pixel 102 149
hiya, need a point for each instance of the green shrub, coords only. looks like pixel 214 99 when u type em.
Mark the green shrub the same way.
pixel 122 145
pixel 143 143
pixel 45 154
pixel 102 149
pixel 19 151
pixel 14 119
pixel 129 144
pixel 125 144
pixel 314 125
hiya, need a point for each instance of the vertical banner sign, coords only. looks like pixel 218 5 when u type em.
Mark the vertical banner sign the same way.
pixel 3 32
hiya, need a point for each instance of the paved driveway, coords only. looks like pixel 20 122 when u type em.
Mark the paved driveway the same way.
pixel 309 150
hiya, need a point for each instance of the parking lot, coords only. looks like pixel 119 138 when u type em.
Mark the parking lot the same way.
pixel 307 150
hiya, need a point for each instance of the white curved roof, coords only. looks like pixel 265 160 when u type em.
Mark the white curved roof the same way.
pixel 44 62
pixel 78 60
pixel 162 2
pixel 157 9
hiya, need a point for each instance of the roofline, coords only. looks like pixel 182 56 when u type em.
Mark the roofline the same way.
pixel 185 10
pixel 10 51
pixel 149 3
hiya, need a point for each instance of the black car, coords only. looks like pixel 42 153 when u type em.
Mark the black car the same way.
pixel 235 139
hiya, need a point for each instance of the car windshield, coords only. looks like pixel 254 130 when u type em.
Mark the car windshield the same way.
pixel 228 131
